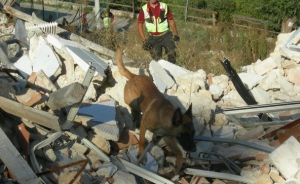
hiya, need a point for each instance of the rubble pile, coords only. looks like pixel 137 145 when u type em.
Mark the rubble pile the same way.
pixel 63 117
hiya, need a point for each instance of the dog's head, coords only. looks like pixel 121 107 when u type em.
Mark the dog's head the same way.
pixel 186 129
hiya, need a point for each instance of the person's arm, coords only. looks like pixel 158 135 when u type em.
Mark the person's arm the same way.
pixel 112 18
pixel 141 21
pixel 172 22
pixel 141 31
pixel 173 27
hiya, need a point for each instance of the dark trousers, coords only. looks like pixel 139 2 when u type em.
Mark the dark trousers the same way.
pixel 163 41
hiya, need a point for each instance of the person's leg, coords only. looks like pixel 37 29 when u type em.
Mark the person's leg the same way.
pixel 169 45
pixel 156 51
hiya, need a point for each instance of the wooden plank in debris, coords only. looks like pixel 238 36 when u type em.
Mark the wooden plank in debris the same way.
pixel 40 117
pixel 15 162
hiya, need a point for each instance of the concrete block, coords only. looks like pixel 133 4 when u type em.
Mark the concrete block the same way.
pixel 294 76
pixel 250 80
pixel 161 78
pixel 44 58
pixel 84 58
pixel 284 157
pixel 24 66
pixel 66 96
pixel 265 66
pixel 275 176
pixel 104 121
pixel 172 69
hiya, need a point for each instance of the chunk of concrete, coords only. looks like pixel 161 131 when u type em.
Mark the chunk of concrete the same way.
pixel 104 119
pixel 66 96
pixel 123 177
pixel 161 78
pixel 275 176
pixel 86 58
pixel 24 66
pixel 44 58
pixel 294 76
pixel 60 43
pixel 284 157
pixel 265 66
pixel 172 69
pixel 250 80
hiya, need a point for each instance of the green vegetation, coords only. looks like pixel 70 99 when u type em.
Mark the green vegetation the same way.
pixel 200 46
pixel 272 11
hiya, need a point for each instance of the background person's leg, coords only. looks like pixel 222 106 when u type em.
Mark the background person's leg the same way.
pixel 156 51
pixel 169 45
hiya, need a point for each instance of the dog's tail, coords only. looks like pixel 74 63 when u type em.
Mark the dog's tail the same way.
pixel 122 69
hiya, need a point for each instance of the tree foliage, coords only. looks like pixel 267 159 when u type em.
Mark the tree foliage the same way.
pixel 277 11
pixel 272 11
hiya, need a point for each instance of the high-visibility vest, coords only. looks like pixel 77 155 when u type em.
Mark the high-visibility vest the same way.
pixel 159 24
pixel 106 22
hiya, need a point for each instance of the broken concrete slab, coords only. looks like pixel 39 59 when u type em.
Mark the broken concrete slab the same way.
pixel 293 55
pixel 44 58
pixel 293 76
pixel 172 69
pixel 275 176
pixel 107 170
pixel 192 81
pixel 61 43
pixel 104 119
pixel 284 157
pixel 162 80
pixel 250 80
pixel 100 142
pixel 86 58
pixel 66 96
pixel 24 66
pixel 265 66
pixel 123 177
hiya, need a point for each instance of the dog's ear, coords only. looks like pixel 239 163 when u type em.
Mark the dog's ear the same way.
pixel 177 118
pixel 189 111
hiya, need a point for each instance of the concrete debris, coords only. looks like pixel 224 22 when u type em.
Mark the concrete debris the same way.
pixel 103 120
pixel 46 90
pixel 280 157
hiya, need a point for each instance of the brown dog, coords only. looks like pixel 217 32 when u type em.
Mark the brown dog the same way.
pixel 159 115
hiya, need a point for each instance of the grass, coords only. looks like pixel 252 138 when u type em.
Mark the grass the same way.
pixel 200 47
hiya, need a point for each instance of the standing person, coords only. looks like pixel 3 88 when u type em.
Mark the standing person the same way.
pixel 84 21
pixel 108 18
pixel 158 19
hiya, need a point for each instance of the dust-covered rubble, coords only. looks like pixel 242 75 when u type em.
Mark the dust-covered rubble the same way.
pixel 56 68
